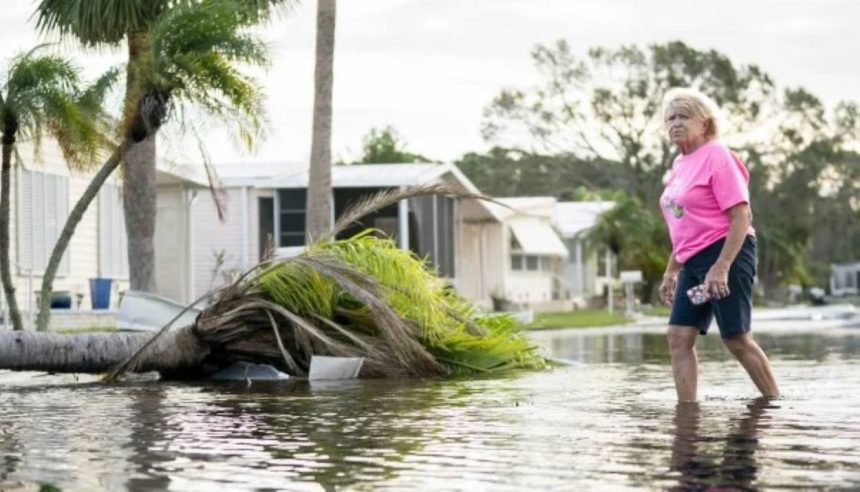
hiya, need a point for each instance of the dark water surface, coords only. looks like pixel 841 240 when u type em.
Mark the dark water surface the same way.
pixel 609 421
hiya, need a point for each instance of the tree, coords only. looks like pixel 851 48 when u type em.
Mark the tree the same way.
pixel 180 57
pixel 605 107
pixel 140 25
pixel 386 146
pixel 41 95
pixel 357 297
pixel 320 201
pixel 636 237
pixel 518 172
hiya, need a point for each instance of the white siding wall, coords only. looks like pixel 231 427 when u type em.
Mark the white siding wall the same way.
pixel 530 287
pixel 580 283
pixel 481 262
pixel 83 250
pixel 496 251
pixel 171 244
pixel 211 237
pixel 470 265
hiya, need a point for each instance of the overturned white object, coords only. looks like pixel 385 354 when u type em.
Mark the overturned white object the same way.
pixel 247 371
pixel 323 367
pixel 142 311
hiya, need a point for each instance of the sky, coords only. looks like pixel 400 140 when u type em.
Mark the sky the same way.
pixel 429 67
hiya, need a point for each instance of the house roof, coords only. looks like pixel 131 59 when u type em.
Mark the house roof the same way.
pixel 526 205
pixel 295 175
pixel 536 236
pixel 571 218
pixel 168 173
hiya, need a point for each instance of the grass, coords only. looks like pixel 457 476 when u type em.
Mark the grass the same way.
pixel 88 329
pixel 581 318
pixel 660 310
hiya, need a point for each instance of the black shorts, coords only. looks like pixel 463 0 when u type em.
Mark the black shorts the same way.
pixel 732 312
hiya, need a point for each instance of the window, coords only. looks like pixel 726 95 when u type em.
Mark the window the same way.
pixel 113 241
pixel 435 223
pixel 533 263
pixel 43 205
pixel 291 217
pixel 516 262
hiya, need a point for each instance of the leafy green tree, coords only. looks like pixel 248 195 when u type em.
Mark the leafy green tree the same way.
pixel 637 237
pixel 605 107
pixel 178 50
pixel 386 146
pixel 182 55
pixel 42 95
pixel 517 172
pixel 804 184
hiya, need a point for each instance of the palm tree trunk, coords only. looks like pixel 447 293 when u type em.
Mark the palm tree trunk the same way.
pixel 320 201
pixel 176 352
pixel 139 200
pixel 8 285
pixel 69 229
pixel 138 190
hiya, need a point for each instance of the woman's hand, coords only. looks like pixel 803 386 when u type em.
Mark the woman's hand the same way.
pixel 717 281
pixel 668 287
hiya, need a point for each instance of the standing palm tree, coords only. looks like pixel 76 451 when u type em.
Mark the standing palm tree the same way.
pixel 39 95
pixel 181 54
pixel 112 22
pixel 320 201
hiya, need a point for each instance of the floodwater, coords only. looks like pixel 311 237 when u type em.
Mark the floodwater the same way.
pixel 608 421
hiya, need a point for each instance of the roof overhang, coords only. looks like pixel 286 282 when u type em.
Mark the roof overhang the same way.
pixel 537 237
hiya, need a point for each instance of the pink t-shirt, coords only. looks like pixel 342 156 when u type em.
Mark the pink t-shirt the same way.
pixel 701 188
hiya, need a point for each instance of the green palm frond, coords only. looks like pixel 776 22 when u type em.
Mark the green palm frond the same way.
pixel 501 347
pixel 43 95
pixel 96 22
pixel 194 51
pixel 444 323
pixel 357 297
pixel 409 286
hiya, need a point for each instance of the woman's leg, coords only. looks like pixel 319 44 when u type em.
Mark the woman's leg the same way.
pixel 751 356
pixel 685 361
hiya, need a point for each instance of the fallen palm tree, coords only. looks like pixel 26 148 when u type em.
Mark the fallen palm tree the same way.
pixel 357 297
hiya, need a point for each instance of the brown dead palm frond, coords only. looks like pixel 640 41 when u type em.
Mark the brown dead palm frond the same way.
pixel 400 335
pixel 382 199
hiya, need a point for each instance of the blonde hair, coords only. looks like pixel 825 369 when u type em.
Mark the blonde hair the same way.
pixel 698 103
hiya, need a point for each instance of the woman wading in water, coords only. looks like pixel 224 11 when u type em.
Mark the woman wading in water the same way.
pixel 713 261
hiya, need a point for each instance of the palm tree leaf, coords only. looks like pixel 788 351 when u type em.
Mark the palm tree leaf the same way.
pixel 382 199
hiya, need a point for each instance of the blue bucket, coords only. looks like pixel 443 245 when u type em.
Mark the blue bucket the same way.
pixel 100 292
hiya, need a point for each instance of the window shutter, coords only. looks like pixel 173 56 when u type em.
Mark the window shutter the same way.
pixel 43 206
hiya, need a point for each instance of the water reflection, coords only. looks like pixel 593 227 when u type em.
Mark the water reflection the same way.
pixel 609 421
pixel 331 434
pixel 10 451
pixel 147 417
pixel 733 465
pixel 635 348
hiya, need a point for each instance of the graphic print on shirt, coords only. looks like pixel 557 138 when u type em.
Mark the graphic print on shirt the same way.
pixel 673 189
